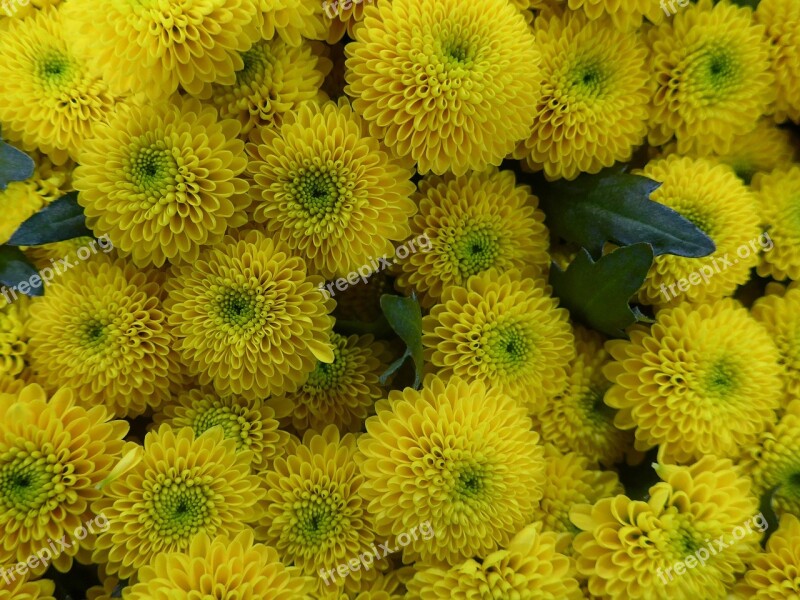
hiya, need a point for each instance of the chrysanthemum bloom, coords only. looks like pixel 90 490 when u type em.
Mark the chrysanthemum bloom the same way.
pixel 276 79
pixel 625 15
pixel 712 71
pixel 252 424
pixel 703 380
pixel 450 83
pixel 773 573
pixel 456 455
pixel 52 99
pixel 162 180
pixel 629 549
pixel 313 514
pixel 154 47
pixel 720 204
pixel 593 108
pixel 577 420
pixel 782 20
pixel 292 20
pixel 183 485
pixel 13 335
pixel 100 330
pixel 778 194
pixel 343 392
pixel 248 318
pixel 53 455
pixel 20 589
pixel 504 330
pixel 472 223
pixel 534 565
pixel 328 190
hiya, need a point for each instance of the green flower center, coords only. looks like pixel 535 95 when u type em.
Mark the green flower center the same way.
pixel 230 418
pixel 587 79
pixel 54 69
pixel 456 51
pixel 469 483
pixel 326 377
pixel 180 508
pixel 696 217
pixel 476 250
pixel 508 348
pixel 152 170
pixel 321 196
pixel 714 72
pixel 317 519
pixel 94 335
pixel 239 308
pixel 595 410
pixel 721 379
pixel 255 61
pixel 33 482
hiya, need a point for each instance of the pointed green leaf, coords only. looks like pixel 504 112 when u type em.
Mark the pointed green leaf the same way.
pixel 405 317
pixel 58 221
pixel 15 165
pixel 15 269
pixel 597 293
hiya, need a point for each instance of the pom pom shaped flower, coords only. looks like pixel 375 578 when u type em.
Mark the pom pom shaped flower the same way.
pixel 504 330
pixel 344 391
pixel 163 180
pixel 533 565
pixel 275 80
pixel 778 196
pixel 53 456
pixel 625 15
pixel 248 318
pixel 703 380
pixel 328 190
pixel 181 486
pixel 19 589
pixel 52 100
pixel 472 223
pixel 773 573
pixel 593 107
pixel 313 514
pixel 577 420
pixel 450 83
pixel 220 567
pixel 13 335
pixel 252 424
pixel 628 548
pixel 100 330
pixel 153 46
pixel 455 455
pixel 711 68
pixel 292 20
pixel 719 204
pixel 782 20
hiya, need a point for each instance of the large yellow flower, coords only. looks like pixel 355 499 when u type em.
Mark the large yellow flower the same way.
pixel 472 223
pixel 182 485
pixel 53 455
pixel 711 67
pixel 703 380
pixel 782 20
pixel 778 197
pixel 248 318
pixel 593 108
pixel 773 573
pixel 503 330
pixel 450 83
pixel 163 180
pixel 328 190
pixel 457 456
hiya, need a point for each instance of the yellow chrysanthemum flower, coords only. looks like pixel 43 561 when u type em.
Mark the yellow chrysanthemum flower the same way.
pixel 275 80
pixel 248 318
pixel 21 589
pixel 457 456
pixel 329 191
pixel 53 455
pixel 782 20
pixel 154 47
pixel 503 330
pixel 343 392
pixel 252 424
pixel 222 567
pixel 700 516
pixel 778 195
pixel 472 223
pixel 703 380
pixel 292 20
pixel 182 486
pixel 450 83
pixel 163 180
pixel 712 71
pixel 625 14
pixel 722 206
pixel 13 334
pixel 52 99
pixel 773 573
pixel 577 420
pixel 100 330
pixel 533 565
pixel 593 108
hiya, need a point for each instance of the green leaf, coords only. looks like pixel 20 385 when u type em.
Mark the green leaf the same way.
pixel 15 269
pixel 615 207
pixel 597 293
pixel 766 507
pixel 15 165
pixel 58 221
pixel 405 317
